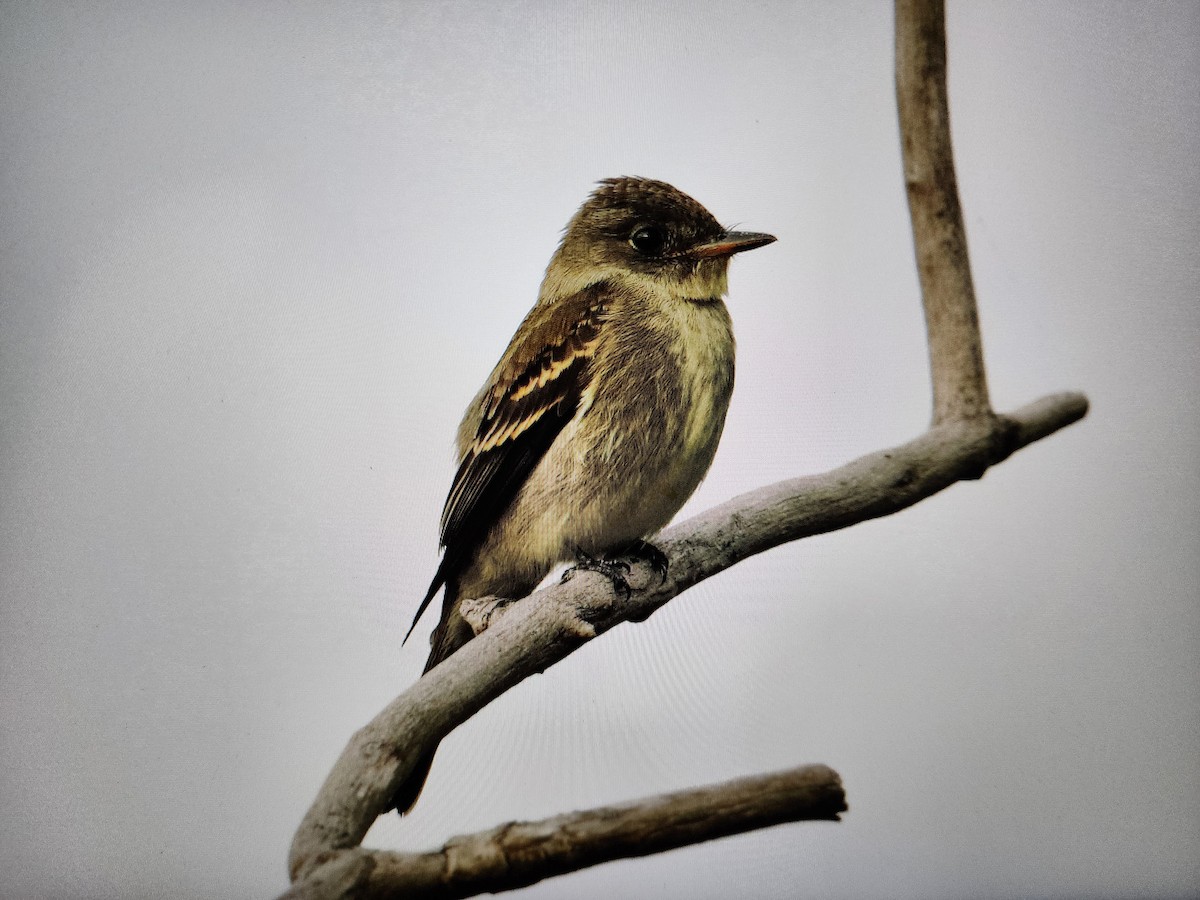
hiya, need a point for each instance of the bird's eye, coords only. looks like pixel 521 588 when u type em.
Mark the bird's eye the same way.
pixel 648 239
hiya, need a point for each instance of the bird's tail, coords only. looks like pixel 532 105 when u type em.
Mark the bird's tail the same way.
pixel 452 632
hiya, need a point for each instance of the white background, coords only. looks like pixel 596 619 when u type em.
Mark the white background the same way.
pixel 255 259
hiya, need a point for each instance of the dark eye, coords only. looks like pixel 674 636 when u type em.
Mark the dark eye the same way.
pixel 648 239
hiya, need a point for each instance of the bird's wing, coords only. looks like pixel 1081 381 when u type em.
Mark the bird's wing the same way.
pixel 534 392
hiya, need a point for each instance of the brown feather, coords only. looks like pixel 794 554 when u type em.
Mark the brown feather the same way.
pixel 533 393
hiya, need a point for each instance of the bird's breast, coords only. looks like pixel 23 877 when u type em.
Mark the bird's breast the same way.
pixel 705 354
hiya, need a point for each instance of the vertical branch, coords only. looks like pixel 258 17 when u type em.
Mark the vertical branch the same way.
pixel 951 318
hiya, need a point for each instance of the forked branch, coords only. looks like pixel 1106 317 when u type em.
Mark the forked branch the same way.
pixel 521 853
pixel 966 438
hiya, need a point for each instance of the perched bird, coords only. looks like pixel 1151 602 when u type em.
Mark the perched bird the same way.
pixel 605 411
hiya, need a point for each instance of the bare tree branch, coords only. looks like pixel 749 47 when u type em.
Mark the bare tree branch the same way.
pixel 955 346
pixel 537 632
pixel 519 854
pixel 529 636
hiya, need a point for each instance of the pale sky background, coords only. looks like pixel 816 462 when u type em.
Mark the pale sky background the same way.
pixel 255 259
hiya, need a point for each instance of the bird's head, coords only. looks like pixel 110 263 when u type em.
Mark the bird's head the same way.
pixel 649 230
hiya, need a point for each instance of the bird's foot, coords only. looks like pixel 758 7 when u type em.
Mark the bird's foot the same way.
pixel 644 551
pixel 614 570
pixel 481 612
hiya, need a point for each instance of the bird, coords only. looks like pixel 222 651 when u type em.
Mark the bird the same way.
pixel 602 416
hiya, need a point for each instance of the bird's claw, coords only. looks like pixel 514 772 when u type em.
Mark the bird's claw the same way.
pixel 614 570
pixel 498 605
pixel 647 552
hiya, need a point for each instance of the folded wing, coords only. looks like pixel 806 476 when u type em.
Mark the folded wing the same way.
pixel 535 391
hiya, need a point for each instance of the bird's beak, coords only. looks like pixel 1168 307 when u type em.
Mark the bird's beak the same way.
pixel 731 242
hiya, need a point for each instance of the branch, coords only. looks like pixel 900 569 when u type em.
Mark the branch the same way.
pixel 527 637
pixel 955 346
pixel 537 632
pixel 519 854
